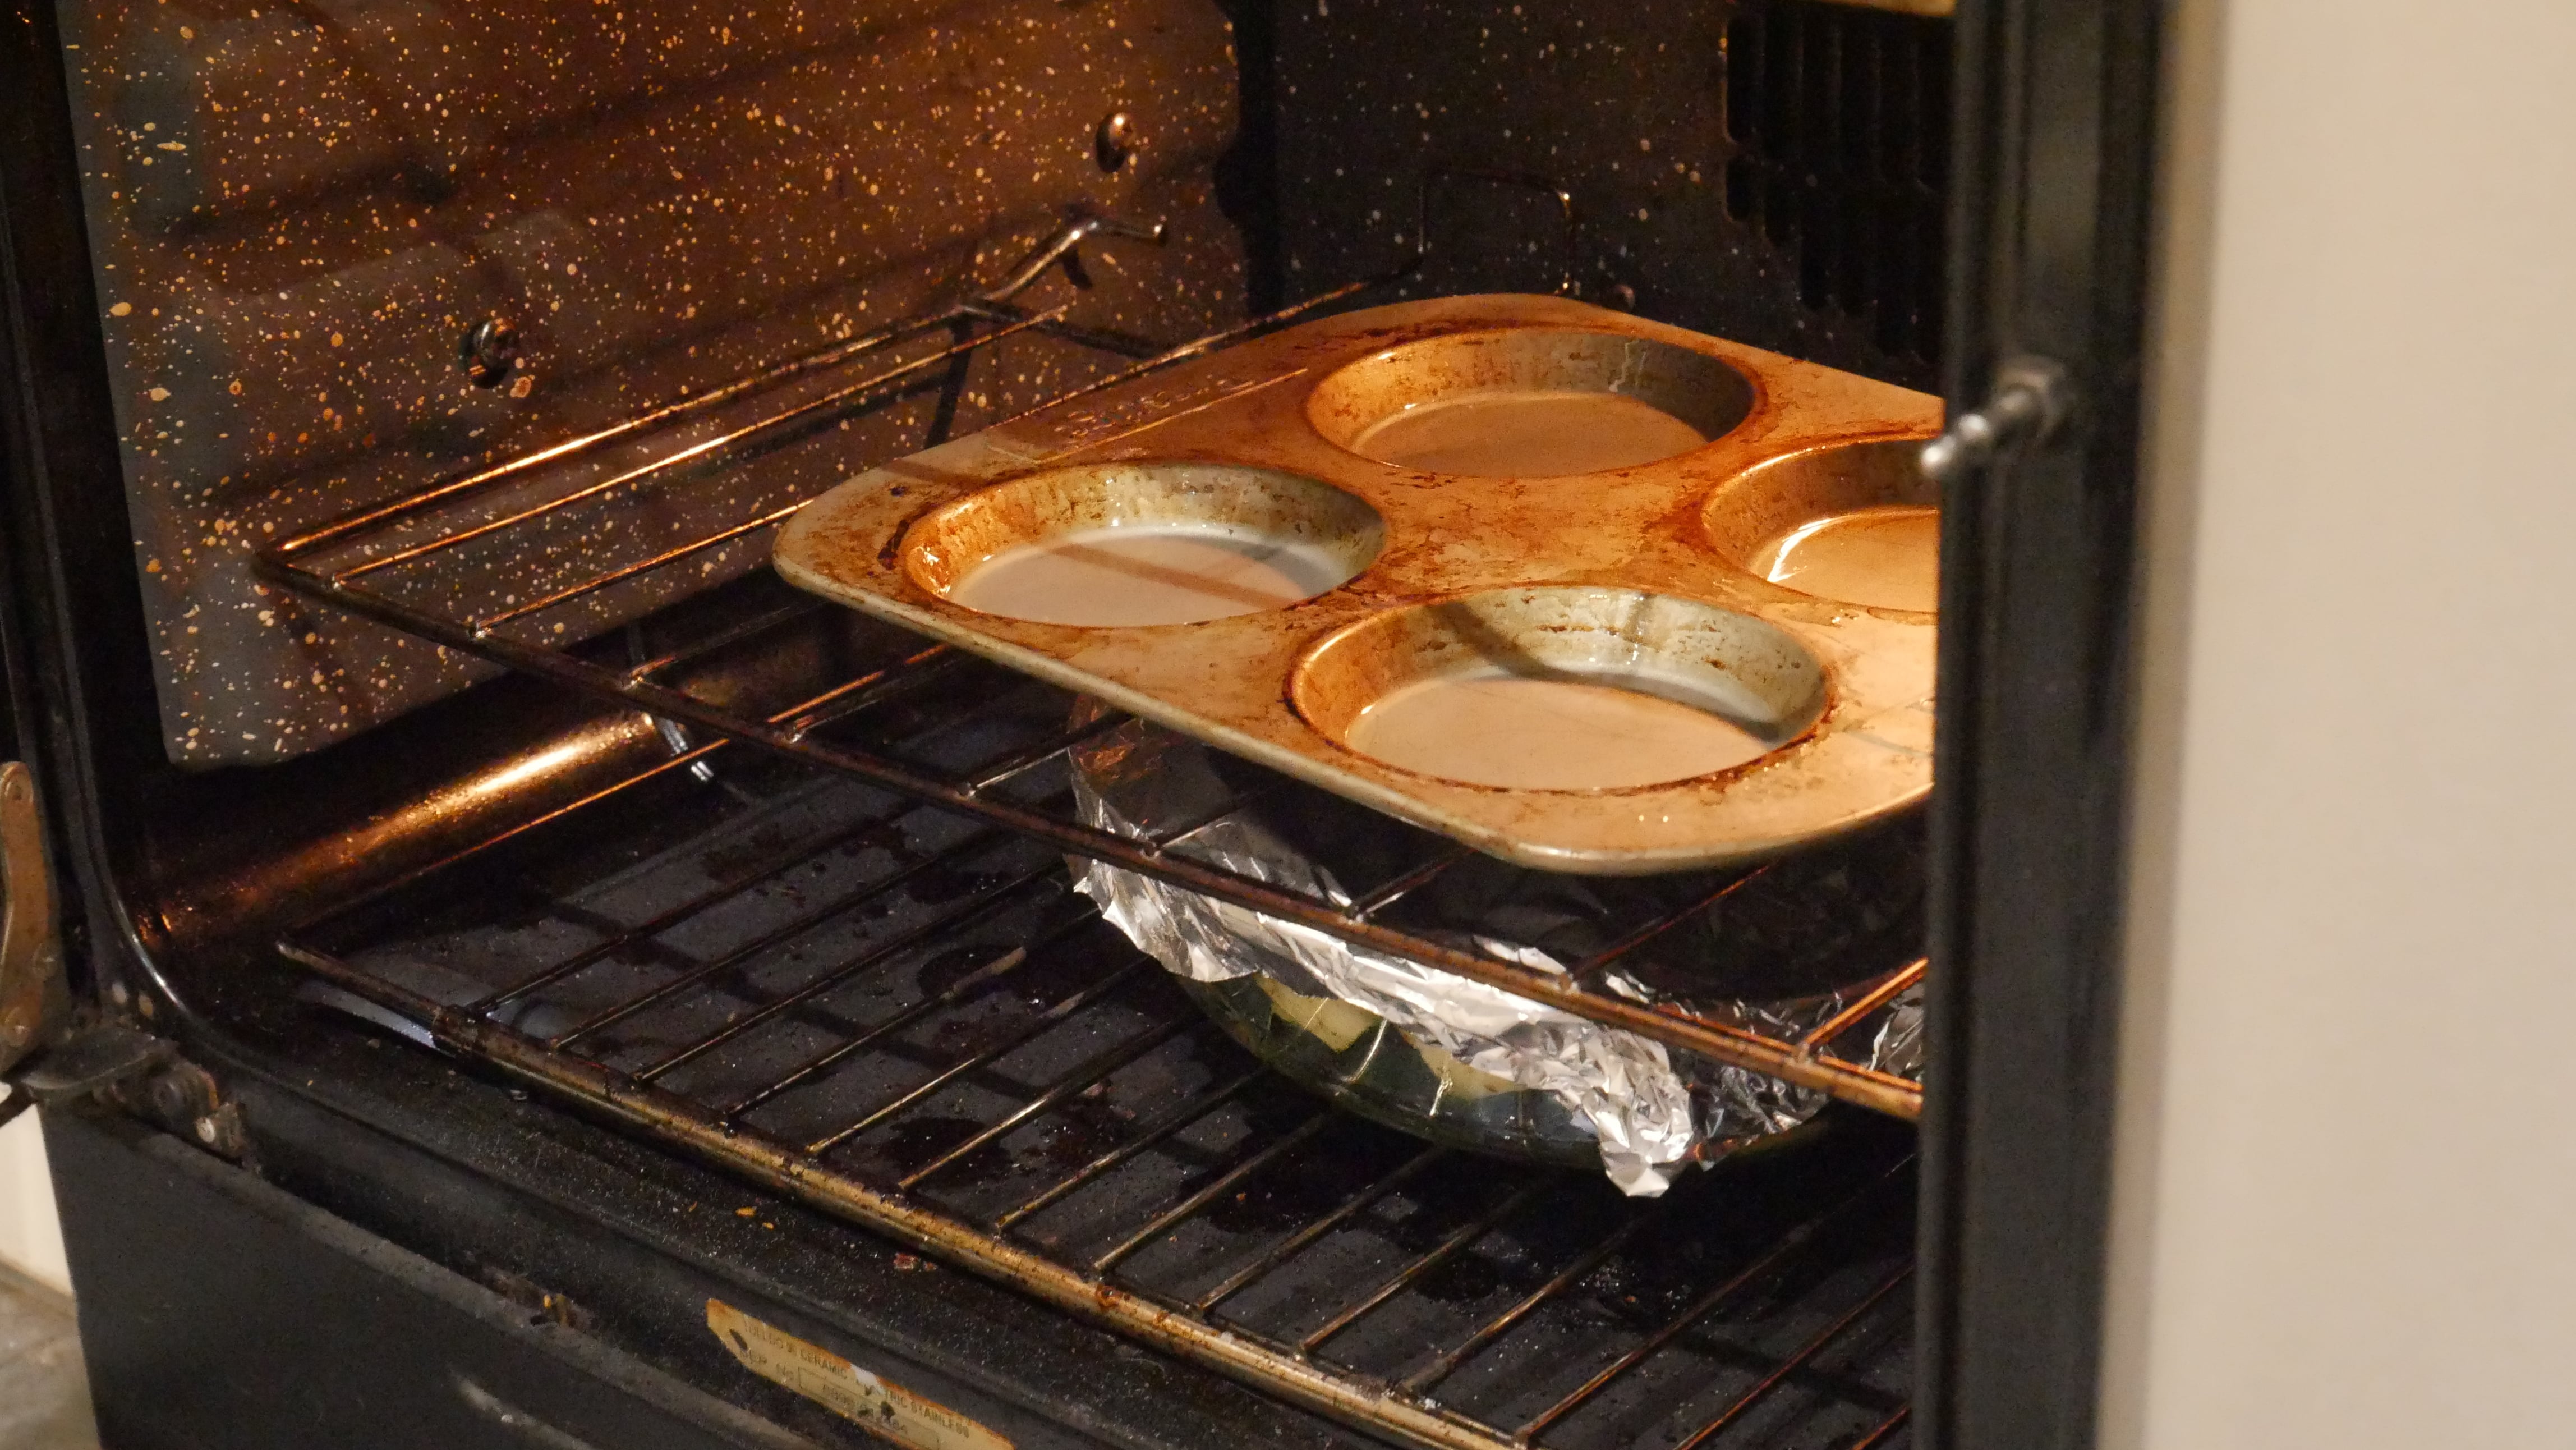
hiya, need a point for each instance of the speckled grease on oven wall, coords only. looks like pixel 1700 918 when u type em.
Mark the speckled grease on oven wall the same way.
pixel 1720 183
pixel 297 211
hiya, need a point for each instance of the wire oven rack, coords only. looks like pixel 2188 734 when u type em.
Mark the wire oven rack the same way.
pixel 830 944
pixel 384 564
pixel 903 1014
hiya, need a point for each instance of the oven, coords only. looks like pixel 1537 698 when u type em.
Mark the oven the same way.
pixel 516 972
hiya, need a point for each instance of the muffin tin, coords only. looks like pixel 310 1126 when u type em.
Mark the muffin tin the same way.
pixel 1281 497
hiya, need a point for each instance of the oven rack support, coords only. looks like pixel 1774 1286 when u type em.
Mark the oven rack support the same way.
pixel 332 563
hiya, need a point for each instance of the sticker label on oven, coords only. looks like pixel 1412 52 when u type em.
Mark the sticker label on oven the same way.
pixel 884 1408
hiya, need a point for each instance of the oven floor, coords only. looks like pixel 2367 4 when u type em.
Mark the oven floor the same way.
pixel 44 1392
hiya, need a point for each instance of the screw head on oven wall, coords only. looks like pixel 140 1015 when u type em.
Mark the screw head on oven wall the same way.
pixel 1114 140
pixel 489 351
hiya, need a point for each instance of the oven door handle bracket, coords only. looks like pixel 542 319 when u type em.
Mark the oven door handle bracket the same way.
pixel 2031 400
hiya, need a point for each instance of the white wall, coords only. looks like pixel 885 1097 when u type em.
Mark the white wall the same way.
pixel 30 1240
pixel 2347 1208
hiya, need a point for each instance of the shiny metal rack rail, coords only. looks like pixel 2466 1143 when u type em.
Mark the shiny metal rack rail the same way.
pixel 334 563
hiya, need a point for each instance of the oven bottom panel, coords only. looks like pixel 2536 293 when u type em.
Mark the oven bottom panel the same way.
pixel 219 1312
pixel 446 1158
pixel 513 1202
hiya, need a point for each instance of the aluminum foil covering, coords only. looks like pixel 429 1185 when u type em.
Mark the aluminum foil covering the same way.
pixel 1653 1110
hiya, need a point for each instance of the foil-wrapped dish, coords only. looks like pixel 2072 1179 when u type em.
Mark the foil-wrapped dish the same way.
pixel 1469 1065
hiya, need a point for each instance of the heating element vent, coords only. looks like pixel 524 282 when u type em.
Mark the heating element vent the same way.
pixel 830 945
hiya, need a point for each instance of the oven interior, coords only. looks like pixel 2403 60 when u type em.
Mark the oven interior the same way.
pixel 454 436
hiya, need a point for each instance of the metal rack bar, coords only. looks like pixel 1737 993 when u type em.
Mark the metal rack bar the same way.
pixel 540 605
pixel 1795 1362
pixel 1163 1126
pixel 1181 1211
pixel 1448 1248
pixel 1791 1244
pixel 991 305
pixel 703 448
pixel 1868 1002
pixel 451 490
pixel 1298 1242
pixel 678 914
pixel 1405 883
pixel 1044 1022
pixel 1200 347
pixel 1574 1273
pixel 1885 1429
pixel 848 971
pixel 1007 962
pixel 805 1071
pixel 734 634
pixel 789 930
pixel 1593 965
pixel 1021 762
pixel 843 702
pixel 1096 1070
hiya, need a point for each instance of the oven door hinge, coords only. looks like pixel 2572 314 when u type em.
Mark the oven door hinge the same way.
pixel 133 1069
pixel 35 1000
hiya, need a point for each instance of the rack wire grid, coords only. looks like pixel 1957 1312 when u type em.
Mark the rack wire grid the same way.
pixel 390 564
pixel 903 1014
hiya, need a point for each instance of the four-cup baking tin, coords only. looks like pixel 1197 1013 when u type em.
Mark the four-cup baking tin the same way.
pixel 1630 575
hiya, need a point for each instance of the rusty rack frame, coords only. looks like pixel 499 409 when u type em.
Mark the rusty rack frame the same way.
pixel 714 1084
pixel 972 324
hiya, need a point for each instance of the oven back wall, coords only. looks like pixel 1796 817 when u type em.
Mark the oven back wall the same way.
pixel 1773 171
pixel 2345 1163
pixel 299 212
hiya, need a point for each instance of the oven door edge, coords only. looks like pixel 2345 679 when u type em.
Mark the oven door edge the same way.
pixel 2051 218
